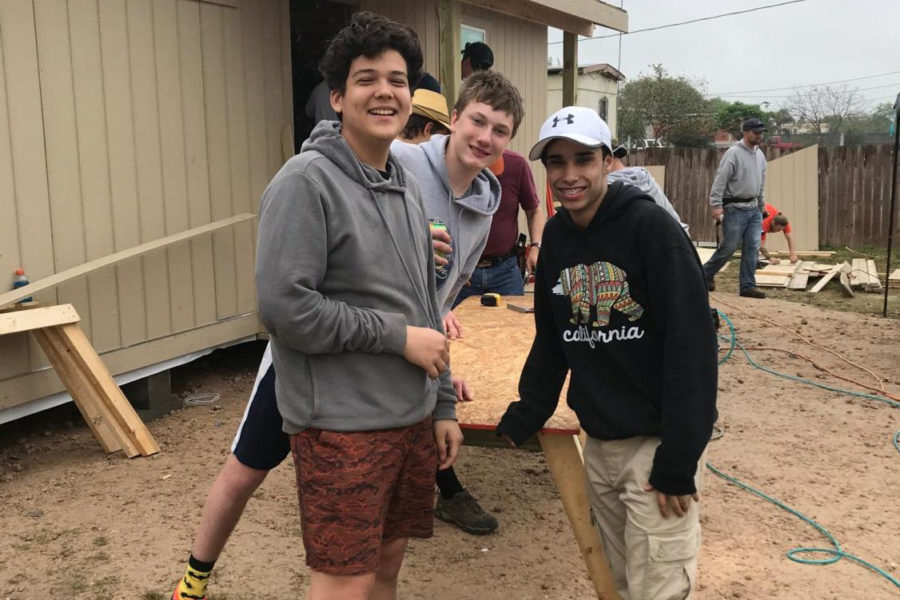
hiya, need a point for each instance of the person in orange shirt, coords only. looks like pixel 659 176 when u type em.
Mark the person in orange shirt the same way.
pixel 774 222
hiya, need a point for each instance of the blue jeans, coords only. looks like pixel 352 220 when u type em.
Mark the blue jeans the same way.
pixel 504 279
pixel 742 229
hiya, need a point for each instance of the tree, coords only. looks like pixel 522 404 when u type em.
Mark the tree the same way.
pixel 824 108
pixel 731 116
pixel 663 102
pixel 857 127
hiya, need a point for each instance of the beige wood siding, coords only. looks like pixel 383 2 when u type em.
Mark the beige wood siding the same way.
pixel 121 122
pixel 792 186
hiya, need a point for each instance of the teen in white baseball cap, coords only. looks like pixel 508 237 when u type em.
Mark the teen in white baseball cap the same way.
pixel 576 123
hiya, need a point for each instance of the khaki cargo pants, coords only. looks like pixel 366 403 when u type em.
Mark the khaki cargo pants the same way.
pixel 651 558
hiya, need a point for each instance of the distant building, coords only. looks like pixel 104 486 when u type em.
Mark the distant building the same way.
pixel 598 88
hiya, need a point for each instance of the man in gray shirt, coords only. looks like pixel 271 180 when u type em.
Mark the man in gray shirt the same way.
pixel 737 202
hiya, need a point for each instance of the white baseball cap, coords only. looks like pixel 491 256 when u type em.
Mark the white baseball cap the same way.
pixel 577 123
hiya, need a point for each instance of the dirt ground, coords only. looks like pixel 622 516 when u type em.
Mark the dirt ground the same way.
pixel 77 524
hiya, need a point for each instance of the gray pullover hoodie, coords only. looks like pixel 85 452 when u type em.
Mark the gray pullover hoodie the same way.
pixel 468 217
pixel 643 180
pixel 741 174
pixel 344 264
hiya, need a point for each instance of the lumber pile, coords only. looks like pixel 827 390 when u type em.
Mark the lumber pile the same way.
pixel 863 275
pixel 894 279
pixel 860 275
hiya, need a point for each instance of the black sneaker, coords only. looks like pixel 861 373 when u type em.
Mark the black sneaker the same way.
pixel 753 292
pixel 464 511
pixel 711 284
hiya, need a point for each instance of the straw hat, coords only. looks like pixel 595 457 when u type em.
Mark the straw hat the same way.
pixel 431 105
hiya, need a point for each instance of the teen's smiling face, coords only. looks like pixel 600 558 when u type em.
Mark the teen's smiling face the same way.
pixel 480 134
pixel 577 177
pixel 376 101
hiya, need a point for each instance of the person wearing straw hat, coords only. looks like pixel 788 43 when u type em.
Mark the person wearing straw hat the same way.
pixel 430 116
pixel 620 304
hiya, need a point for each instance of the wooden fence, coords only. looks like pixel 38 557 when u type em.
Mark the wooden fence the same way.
pixel 855 195
pixel 854 189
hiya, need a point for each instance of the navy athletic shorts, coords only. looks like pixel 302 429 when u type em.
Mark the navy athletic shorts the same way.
pixel 260 442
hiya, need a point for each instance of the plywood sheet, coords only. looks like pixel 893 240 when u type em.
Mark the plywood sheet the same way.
pixel 490 358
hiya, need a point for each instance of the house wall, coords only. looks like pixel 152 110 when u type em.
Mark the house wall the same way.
pixel 591 88
pixel 122 122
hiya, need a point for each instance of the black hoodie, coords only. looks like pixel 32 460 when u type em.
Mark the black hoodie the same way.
pixel 622 303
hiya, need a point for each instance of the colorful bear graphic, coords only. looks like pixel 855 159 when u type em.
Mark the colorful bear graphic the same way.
pixel 602 287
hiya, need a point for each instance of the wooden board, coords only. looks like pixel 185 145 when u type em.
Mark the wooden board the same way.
pixel 894 279
pixel 799 281
pixel 781 269
pixel 874 281
pixel 859 274
pixel 490 357
pixel 88 267
pixel 26 320
pixel 772 280
pixel 834 271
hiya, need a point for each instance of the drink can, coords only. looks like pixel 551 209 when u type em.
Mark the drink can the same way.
pixel 441 272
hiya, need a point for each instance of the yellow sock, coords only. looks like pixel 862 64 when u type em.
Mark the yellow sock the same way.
pixel 193 585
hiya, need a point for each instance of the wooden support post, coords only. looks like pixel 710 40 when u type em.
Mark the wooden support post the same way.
pixel 449 48
pixel 564 460
pixel 98 398
pixel 570 69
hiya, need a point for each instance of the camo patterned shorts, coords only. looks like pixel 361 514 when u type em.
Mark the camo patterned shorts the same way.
pixel 360 489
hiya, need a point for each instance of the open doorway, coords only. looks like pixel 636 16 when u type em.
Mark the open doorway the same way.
pixel 313 24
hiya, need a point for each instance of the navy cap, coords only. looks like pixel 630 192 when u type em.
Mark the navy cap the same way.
pixel 753 124
pixel 620 152
pixel 480 54
pixel 428 82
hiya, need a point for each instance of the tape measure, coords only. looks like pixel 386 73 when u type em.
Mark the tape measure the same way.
pixel 490 299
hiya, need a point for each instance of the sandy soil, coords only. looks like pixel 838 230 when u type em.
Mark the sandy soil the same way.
pixel 79 524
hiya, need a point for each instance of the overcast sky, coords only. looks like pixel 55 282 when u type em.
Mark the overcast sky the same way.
pixel 809 42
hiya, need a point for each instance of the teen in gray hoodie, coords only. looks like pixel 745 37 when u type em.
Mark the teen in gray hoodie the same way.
pixel 467 217
pixel 337 217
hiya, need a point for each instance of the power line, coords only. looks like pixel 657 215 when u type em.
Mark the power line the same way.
pixel 790 87
pixel 709 18
pixel 877 87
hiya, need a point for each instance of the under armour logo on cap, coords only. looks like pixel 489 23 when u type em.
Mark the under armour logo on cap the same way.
pixel 576 123
pixel 570 119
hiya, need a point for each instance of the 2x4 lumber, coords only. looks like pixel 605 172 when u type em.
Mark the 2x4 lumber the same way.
pixel 95 413
pixel 834 271
pixel 874 281
pixel 117 257
pixel 449 47
pixel 566 466
pixel 570 69
pixel 772 280
pixel 36 318
pixel 859 276
pixel 894 279
pixel 101 380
